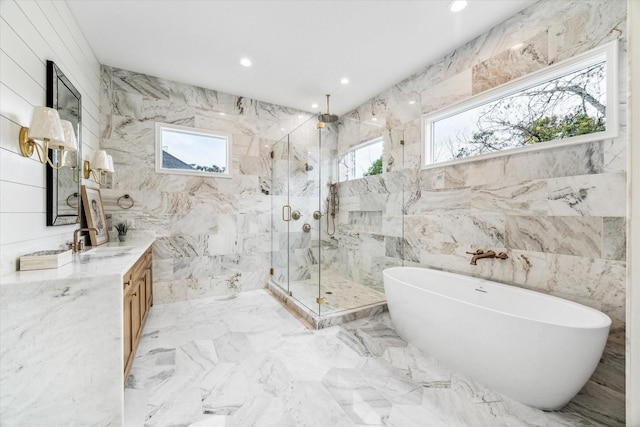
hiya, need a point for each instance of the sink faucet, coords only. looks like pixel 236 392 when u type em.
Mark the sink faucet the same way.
pixel 76 246
pixel 479 254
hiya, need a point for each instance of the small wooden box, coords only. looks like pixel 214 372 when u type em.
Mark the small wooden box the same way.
pixel 45 259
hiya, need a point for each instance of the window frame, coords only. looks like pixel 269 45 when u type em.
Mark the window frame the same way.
pixel 192 131
pixel 352 150
pixel 610 53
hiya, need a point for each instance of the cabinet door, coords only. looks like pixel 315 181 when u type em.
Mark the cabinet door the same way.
pixel 149 281
pixel 135 313
pixel 142 289
pixel 127 336
pixel 137 291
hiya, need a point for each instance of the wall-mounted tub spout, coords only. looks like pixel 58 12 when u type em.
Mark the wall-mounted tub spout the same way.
pixel 479 254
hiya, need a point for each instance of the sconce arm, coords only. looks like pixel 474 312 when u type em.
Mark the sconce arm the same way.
pixel 28 145
pixel 96 175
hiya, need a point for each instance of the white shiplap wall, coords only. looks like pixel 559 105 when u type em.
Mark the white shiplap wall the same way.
pixel 32 32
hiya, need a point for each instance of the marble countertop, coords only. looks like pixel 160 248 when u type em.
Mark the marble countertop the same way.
pixel 113 258
pixel 62 337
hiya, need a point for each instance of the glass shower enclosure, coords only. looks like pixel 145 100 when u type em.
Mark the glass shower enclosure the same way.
pixel 296 213
pixel 312 233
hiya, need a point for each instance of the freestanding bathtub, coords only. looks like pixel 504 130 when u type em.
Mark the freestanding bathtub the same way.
pixel 532 347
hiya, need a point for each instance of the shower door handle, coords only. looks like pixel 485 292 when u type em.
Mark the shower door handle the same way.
pixel 287 209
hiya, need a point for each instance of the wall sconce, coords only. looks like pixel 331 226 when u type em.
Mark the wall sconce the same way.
pixel 70 160
pixel 102 165
pixel 56 134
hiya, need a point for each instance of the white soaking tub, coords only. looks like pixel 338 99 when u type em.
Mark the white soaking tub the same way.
pixel 533 347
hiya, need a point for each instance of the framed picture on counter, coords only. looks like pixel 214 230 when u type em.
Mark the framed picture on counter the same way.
pixel 94 212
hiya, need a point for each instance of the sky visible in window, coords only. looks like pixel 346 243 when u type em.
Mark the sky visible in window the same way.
pixel 202 150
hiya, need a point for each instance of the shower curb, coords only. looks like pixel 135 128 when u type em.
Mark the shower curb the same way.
pixel 314 321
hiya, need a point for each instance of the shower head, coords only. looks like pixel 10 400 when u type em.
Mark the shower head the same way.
pixel 327 117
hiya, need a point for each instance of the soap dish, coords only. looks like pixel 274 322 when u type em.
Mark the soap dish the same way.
pixel 45 259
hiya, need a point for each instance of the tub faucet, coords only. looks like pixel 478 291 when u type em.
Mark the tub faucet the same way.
pixel 76 246
pixel 479 254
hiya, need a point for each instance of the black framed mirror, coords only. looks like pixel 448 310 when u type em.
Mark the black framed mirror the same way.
pixel 63 185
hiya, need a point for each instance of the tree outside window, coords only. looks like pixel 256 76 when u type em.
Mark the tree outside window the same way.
pixel 571 102
pixel 363 160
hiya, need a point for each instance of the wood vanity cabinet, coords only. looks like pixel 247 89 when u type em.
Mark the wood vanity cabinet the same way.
pixel 138 298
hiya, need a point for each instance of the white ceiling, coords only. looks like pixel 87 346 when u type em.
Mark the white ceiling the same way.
pixel 300 49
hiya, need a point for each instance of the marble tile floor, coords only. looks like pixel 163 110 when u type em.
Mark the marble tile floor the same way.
pixel 246 361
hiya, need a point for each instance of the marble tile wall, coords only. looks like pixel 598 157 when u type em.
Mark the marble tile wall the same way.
pixel 213 234
pixel 370 211
pixel 559 213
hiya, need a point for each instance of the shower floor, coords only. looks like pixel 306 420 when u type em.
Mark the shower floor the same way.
pixel 344 299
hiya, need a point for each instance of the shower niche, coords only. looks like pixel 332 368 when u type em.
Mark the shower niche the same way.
pixel 329 243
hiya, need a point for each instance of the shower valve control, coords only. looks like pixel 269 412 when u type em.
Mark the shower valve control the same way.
pixel 295 215
pixel 306 227
pixel 317 215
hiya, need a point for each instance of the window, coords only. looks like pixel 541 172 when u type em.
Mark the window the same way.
pixel 362 160
pixel 572 102
pixel 190 151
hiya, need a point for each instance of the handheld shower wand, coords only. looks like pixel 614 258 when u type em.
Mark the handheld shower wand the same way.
pixel 332 208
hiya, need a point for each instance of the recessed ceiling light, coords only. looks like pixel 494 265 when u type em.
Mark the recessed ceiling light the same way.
pixel 412 102
pixel 314 105
pixel 458 5
pixel 280 129
pixel 344 81
pixel 300 116
pixel 245 62
pixel 375 119
pixel 221 113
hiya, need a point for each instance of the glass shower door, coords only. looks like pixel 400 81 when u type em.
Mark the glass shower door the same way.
pixel 304 172
pixel 295 248
pixel 280 213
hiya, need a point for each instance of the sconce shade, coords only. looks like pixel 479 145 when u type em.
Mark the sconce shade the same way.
pixel 69 159
pixel 70 142
pixel 99 167
pixel 45 123
pixel 110 162
pixel 100 161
